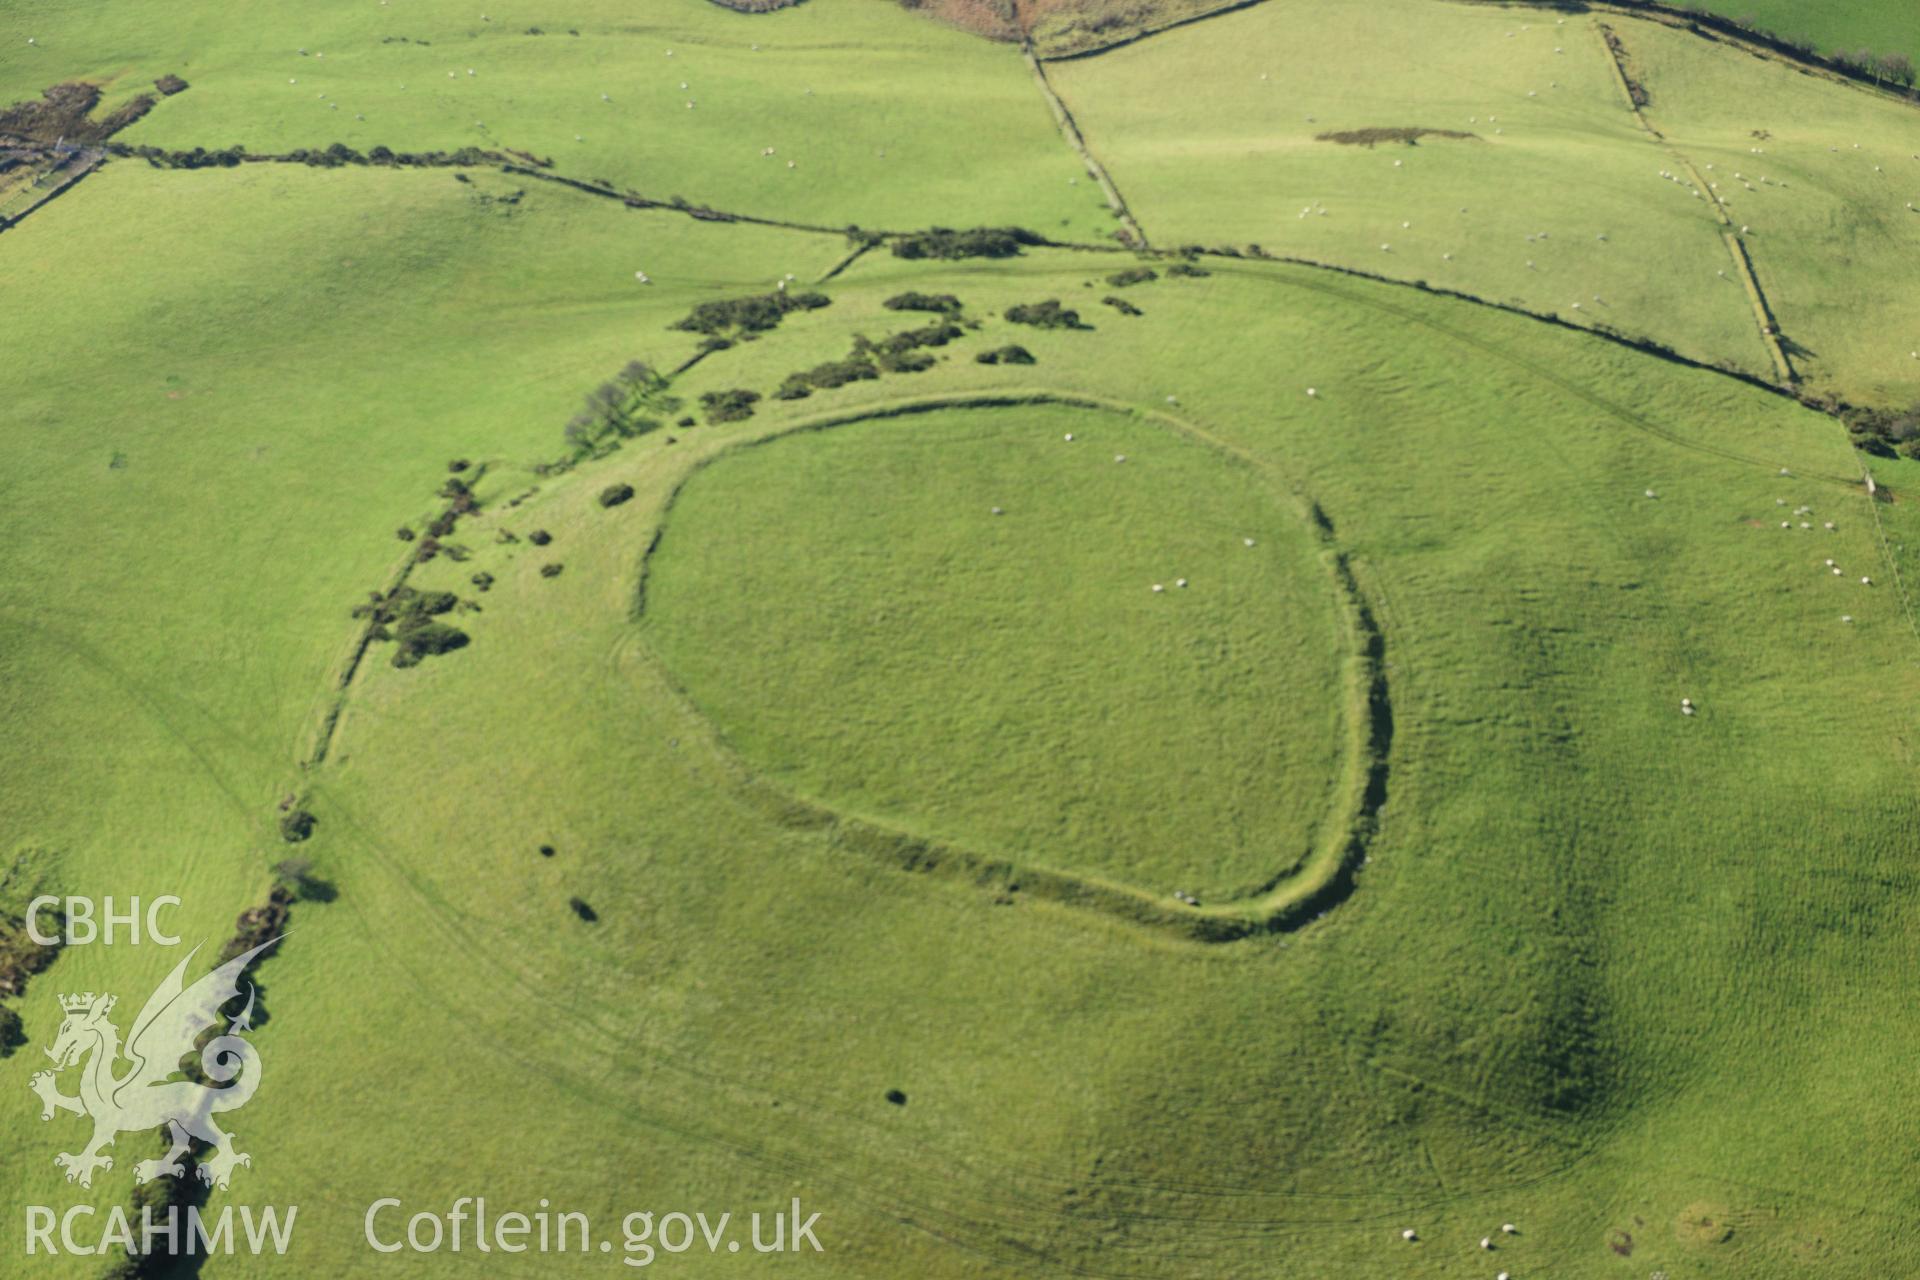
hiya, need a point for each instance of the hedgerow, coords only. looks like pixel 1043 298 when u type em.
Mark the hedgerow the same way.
pixel 756 314
pixel 733 405
pixel 980 242
pixel 1046 315
pixel 939 303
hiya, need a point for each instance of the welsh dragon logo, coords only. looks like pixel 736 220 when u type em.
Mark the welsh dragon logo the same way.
pixel 147 1094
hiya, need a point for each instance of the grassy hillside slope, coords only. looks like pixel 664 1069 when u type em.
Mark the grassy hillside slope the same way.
pixel 860 101
pixel 1634 980
pixel 1559 201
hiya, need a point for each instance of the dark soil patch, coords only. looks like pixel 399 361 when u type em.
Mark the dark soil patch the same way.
pixel 66 111
pixel 1409 135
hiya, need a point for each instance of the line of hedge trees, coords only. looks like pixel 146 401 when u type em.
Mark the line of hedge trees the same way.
pixel 336 156
pixel 756 314
pixel 980 242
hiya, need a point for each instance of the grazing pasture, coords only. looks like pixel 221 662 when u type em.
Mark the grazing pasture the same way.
pixel 1560 202
pixel 814 807
pixel 1099 674
pixel 857 99
pixel 1835 26
pixel 1829 194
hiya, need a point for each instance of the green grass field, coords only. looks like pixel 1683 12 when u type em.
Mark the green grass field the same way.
pixel 868 788
pixel 1835 185
pixel 857 98
pixel 1011 677
pixel 1884 26
pixel 1556 203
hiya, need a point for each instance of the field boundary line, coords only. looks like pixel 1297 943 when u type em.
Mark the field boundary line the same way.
pixel 705 213
pixel 1757 298
pixel 1293 897
pixel 1736 247
pixel 1716 28
pixel 852 256
pixel 336 705
pixel 1886 547
pixel 1231 6
pixel 1070 130
pixel 699 213
pixel 91 162
pixel 1640 346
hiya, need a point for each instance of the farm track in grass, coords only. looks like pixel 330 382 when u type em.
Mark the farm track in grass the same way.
pixel 1005 1178
pixel 682 1105
pixel 1286 901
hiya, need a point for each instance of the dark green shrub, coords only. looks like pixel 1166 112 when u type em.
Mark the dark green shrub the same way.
pixel 838 373
pixel 1132 275
pixel 539 537
pixel 615 494
pixel 980 242
pixel 297 825
pixel 939 303
pixel 756 314
pixel 1046 315
pixel 729 406
pixel 1188 270
pixel 421 638
pixel 12 1035
pixel 1011 354
pixel 905 361
pixel 1121 305
pixel 933 335
pixel 551 570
